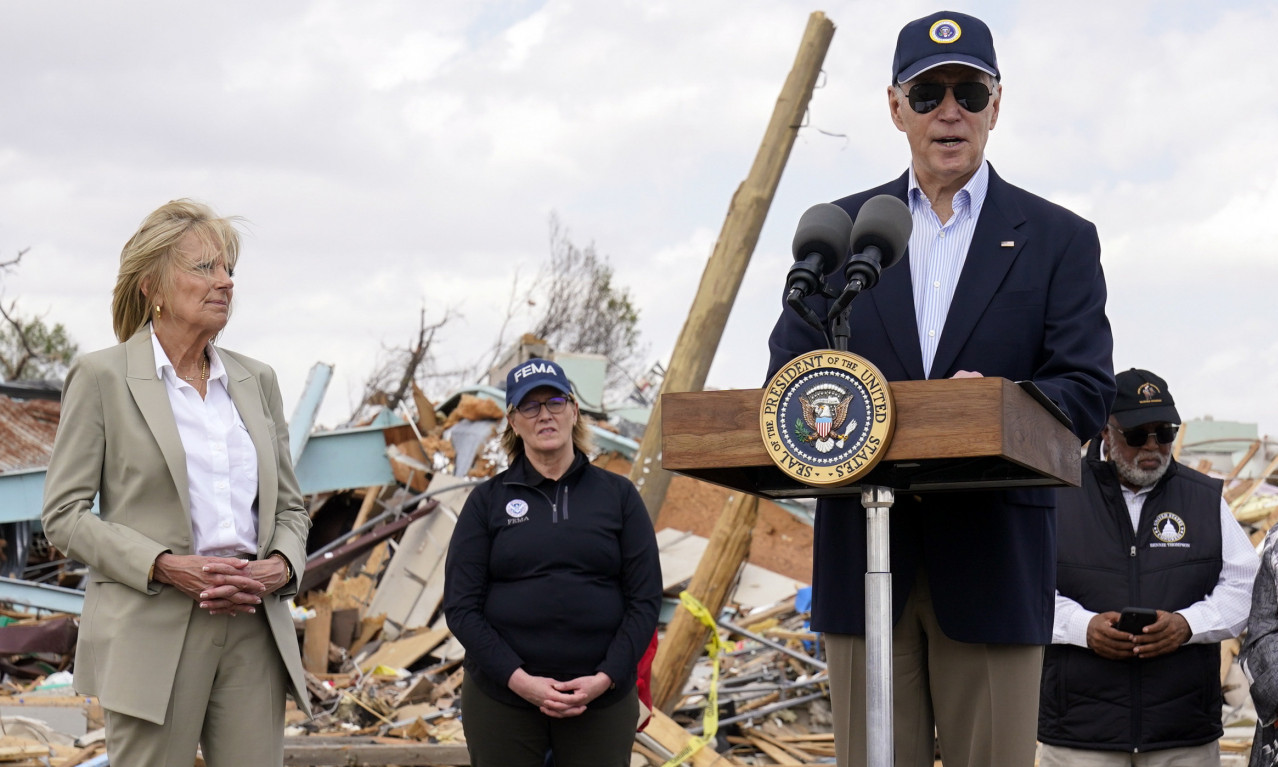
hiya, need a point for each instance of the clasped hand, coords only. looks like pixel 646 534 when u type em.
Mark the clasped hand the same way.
pixel 1164 635
pixel 559 699
pixel 222 585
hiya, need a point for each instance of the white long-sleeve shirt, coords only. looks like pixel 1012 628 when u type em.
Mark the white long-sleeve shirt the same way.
pixel 1220 615
pixel 937 254
pixel 221 462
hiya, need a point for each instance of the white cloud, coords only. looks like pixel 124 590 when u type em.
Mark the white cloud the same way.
pixel 390 153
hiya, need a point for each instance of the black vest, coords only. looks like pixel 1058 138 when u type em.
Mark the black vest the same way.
pixel 1172 561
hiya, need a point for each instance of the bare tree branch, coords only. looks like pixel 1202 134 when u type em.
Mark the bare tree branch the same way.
pixel 401 366
pixel 13 262
pixel 14 370
pixel 513 308
pixel 581 310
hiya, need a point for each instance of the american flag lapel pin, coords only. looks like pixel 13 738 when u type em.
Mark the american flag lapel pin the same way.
pixel 1008 244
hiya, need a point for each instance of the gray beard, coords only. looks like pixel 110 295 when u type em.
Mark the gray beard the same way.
pixel 1133 474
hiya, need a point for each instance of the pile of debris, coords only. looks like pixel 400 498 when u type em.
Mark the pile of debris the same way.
pixel 383 671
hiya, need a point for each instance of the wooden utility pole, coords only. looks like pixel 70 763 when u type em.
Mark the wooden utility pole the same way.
pixel 716 572
pixel 699 339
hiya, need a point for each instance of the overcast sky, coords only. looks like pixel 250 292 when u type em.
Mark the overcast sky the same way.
pixel 390 154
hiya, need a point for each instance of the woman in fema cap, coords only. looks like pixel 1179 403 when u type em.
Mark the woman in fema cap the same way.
pixel 553 585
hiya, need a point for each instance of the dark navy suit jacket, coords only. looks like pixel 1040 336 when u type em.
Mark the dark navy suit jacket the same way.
pixel 1031 310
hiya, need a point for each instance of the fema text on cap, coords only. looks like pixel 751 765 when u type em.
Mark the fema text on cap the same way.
pixel 533 367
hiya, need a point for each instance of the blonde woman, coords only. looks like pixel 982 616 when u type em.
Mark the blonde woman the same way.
pixel 200 538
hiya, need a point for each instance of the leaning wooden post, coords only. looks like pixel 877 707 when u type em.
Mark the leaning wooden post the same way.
pixel 694 350
pixel 716 572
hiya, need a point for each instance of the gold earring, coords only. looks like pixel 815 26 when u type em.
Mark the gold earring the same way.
pixel 157 311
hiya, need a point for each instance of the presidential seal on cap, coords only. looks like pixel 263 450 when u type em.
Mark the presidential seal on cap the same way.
pixel 1142 398
pixel 943 38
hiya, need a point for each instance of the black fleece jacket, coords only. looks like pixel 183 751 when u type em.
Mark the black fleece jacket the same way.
pixel 561 578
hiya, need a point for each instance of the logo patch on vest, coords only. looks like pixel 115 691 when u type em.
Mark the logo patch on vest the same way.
pixel 1170 529
pixel 517 508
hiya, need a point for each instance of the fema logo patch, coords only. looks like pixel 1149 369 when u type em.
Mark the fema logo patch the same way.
pixel 826 418
pixel 945 31
pixel 1169 528
pixel 517 508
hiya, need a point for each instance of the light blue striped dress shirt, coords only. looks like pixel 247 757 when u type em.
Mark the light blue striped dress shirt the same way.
pixel 937 254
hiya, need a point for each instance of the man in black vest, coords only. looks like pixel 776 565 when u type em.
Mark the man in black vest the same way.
pixel 1141 532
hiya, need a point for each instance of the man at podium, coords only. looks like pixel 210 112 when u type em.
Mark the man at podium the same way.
pixel 997 282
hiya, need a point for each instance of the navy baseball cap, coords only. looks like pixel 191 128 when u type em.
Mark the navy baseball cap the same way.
pixel 1142 398
pixel 527 376
pixel 945 37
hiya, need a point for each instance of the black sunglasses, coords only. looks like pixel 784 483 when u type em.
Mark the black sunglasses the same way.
pixel 926 97
pixel 1165 434
pixel 531 408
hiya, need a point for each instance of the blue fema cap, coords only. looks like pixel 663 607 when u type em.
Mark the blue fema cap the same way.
pixel 945 37
pixel 529 375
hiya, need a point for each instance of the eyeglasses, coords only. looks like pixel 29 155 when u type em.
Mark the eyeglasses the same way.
pixel 531 408
pixel 926 97
pixel 1165 434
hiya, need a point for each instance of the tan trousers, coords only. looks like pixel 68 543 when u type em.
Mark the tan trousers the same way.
pixel 228 697
pixel 980 701
pixel 1206 755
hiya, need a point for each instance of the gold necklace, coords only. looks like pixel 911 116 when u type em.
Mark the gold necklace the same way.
pixel 204 370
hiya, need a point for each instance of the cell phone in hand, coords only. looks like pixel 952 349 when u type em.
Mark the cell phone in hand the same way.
pixel 1133 619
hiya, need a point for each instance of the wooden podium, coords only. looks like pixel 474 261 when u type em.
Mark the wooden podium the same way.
pixel 950 435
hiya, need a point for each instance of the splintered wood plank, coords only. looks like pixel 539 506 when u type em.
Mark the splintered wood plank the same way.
pixel 404 652
pixel 316 637
pixel 310 750
pixel 777 750
pixel 1246 459
pixel 773 752
pixel 673 738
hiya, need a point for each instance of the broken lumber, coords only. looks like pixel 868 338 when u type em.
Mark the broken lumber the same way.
pixel 695 348
pixel 371 752
pixel 673 738
pixel 686 636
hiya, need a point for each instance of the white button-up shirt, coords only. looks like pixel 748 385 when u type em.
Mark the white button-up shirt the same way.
pixel 221 462
pixel 937 254
pixel 1218 616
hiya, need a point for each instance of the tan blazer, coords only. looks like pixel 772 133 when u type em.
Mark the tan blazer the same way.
pixel 117 439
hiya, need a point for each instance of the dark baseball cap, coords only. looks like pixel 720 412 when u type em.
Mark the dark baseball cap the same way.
pixel 945 37
pixel 1142 398
pixel 529 375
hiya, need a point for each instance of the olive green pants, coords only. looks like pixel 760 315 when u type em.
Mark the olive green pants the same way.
pixel 499 735
pixel 228 697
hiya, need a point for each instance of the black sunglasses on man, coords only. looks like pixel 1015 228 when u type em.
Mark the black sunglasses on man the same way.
pixel 1137 437
pixel 926 97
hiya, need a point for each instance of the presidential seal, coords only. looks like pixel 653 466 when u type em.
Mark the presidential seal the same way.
pixel 945 31
pixel 827 418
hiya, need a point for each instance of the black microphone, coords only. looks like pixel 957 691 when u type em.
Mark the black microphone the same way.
pixel 878 239
pixel 820 243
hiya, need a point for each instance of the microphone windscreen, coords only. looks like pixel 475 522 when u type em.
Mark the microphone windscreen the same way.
pixel 884 222
pixel 825 229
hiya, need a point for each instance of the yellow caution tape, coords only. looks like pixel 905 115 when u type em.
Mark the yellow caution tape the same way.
pixel 710 715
